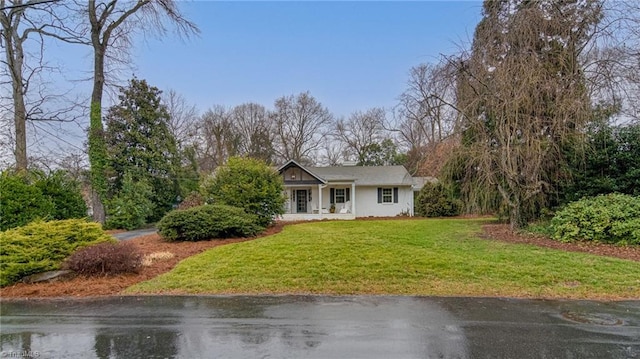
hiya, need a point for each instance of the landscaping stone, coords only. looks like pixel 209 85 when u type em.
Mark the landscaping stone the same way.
pixel 50 276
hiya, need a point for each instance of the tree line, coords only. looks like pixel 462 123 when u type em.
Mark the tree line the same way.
pixel 514 124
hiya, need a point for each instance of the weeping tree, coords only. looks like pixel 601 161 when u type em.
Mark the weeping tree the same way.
pixel 524 99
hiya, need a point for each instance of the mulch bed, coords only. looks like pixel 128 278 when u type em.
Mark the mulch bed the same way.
pixel 114 285
pixel 502 232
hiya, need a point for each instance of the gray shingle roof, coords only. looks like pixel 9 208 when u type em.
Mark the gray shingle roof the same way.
pixel 366 175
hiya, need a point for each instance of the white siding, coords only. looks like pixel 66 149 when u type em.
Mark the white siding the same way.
pixel 368 206
pixel 365 197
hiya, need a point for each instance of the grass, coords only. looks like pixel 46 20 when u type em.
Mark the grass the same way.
pixel 441 257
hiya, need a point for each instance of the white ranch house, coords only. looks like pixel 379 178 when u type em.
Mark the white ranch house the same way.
pixel 352 191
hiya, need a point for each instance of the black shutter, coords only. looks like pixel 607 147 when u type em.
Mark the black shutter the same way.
pixel 379 195
pixel 395 194
pixel 332 195
pixel 348 194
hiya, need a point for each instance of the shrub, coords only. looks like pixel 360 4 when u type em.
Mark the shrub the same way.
pixel 250 184
pixel 132 206
pixel 27 196
pixel 106 258
pixel 42 246
pixel 207 222
pixel 433 201
pixel 65 194
pixel 612 218
pixel 194 199
pixel 21 201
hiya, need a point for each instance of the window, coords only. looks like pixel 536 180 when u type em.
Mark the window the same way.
pixel 387 195
pixel 339 195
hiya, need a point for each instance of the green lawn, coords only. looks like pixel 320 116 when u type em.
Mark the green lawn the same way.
pixel 408 257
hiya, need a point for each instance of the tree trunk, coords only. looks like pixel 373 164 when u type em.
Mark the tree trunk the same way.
pixel 97 146
pixel 14 56
pixel 20 123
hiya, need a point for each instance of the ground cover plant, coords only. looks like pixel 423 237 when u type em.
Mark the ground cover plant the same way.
pixel 42 246
pixel 412 257
pixel 611 218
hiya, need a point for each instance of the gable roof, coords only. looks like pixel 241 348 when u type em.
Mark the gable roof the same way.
pixel 292 163
pixel 366 175
pixel 361 175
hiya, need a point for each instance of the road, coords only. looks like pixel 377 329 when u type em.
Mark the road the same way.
pixel 318 327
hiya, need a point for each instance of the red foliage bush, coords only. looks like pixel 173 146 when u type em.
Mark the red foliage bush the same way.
pixel 106 258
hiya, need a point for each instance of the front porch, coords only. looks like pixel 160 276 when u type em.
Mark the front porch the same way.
pixel 310 197
pixel 335 201
pixel 292 217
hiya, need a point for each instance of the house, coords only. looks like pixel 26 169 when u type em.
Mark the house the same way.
pixel 346 192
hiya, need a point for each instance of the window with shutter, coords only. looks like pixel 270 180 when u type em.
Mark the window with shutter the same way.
pixel 387 195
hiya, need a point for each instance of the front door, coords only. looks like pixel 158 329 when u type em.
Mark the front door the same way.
pixel 301 201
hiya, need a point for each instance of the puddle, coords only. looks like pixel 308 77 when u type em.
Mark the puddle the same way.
pixel 592 318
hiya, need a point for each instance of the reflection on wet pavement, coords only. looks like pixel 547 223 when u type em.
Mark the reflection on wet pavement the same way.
pixel 318 327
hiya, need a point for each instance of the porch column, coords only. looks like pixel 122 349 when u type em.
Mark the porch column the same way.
pixel 353 198
pixel 320 199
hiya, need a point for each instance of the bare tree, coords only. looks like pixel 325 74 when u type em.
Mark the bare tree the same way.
pixel 426 112
pixel 217 138
pixel 300 123
pixel 183 117
pixel 333 152
pixel 612 60
pixel 22 27
pixel 361 131
pixel 254 125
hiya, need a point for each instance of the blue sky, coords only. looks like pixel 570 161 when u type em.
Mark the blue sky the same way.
pixel 349 55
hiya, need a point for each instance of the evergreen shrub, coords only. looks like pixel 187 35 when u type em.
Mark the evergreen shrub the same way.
pixel 28 196
pixel 208 222
pixel 434 201
pixel 43 246
pixel 611 218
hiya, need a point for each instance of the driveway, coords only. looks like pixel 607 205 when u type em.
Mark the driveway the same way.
pixel 123 236
pixel 318 327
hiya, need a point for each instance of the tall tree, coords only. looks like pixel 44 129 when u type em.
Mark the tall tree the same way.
pixel 253 124
pixel 182 117
pixel 23 24
pixel 360 132
pixel 523 96
pixel 182 124
pixel 140 144
pixel 427 114
pixel 108 26
pixel 300 124
pixel 383 153
pixel 218 138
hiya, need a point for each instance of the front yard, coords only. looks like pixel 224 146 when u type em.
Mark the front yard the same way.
pixel 443 257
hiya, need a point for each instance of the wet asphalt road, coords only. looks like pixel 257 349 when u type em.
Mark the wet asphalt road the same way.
pixel 318 327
